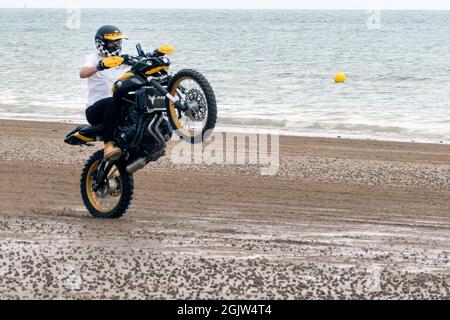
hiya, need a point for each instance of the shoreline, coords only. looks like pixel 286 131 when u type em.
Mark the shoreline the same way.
pixel 279 131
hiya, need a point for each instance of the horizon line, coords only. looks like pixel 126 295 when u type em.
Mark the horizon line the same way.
pixel 235 9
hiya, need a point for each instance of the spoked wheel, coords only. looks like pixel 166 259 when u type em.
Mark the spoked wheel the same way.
pixel 112 197
pixel 196 122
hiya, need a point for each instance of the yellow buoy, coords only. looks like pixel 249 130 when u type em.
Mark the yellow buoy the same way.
pixel 340 77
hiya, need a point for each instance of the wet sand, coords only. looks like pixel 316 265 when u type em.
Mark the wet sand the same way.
pixel 342 219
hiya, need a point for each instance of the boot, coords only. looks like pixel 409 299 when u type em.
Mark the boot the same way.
pixel 111 152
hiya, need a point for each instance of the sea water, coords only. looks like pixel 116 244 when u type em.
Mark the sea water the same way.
pixel 269 69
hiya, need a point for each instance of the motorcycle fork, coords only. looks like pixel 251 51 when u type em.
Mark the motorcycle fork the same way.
pixel 103 170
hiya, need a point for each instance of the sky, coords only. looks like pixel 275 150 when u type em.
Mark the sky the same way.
pixel 235 4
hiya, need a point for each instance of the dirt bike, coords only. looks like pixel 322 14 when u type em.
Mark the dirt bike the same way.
pixel 155 104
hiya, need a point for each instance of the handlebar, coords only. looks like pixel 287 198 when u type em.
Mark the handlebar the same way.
pixel 131 60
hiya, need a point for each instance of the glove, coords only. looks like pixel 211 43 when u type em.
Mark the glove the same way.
pixel 109 62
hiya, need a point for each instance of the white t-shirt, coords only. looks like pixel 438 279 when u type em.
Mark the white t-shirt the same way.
pixel 100 84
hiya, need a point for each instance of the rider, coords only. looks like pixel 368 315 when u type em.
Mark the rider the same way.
pixel 103 69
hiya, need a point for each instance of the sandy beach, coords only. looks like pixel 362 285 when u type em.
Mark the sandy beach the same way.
pixel 341 219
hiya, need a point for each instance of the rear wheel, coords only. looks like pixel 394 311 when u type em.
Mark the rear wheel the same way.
pixel 113 197
pixel 199 119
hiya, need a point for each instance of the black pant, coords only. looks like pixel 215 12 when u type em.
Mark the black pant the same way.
pixel 104 111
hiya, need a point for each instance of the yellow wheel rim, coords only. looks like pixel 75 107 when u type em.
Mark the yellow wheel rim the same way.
pixel 174 112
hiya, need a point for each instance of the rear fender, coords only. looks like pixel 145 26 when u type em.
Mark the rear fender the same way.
pixel 84 134
pixel 77 139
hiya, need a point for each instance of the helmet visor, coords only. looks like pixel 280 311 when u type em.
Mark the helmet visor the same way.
pixel 113 36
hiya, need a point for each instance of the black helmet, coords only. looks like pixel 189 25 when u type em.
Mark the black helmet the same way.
pixel 108 40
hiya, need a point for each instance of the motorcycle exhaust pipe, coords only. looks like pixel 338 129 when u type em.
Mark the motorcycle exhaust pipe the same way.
pixel 156 134
pixel 162 141
pixel 142 162
pixel 150 129
pixel 154 130
pixel 136 165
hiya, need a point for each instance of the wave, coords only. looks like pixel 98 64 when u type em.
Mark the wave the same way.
pixel 323 127
pixel 253 122
pixel 355 127
pixel 303 125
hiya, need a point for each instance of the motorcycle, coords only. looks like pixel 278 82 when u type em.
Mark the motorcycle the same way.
pixel 155 104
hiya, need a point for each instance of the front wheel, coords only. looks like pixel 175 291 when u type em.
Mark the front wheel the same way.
pixel 196 122
pixel 114 195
